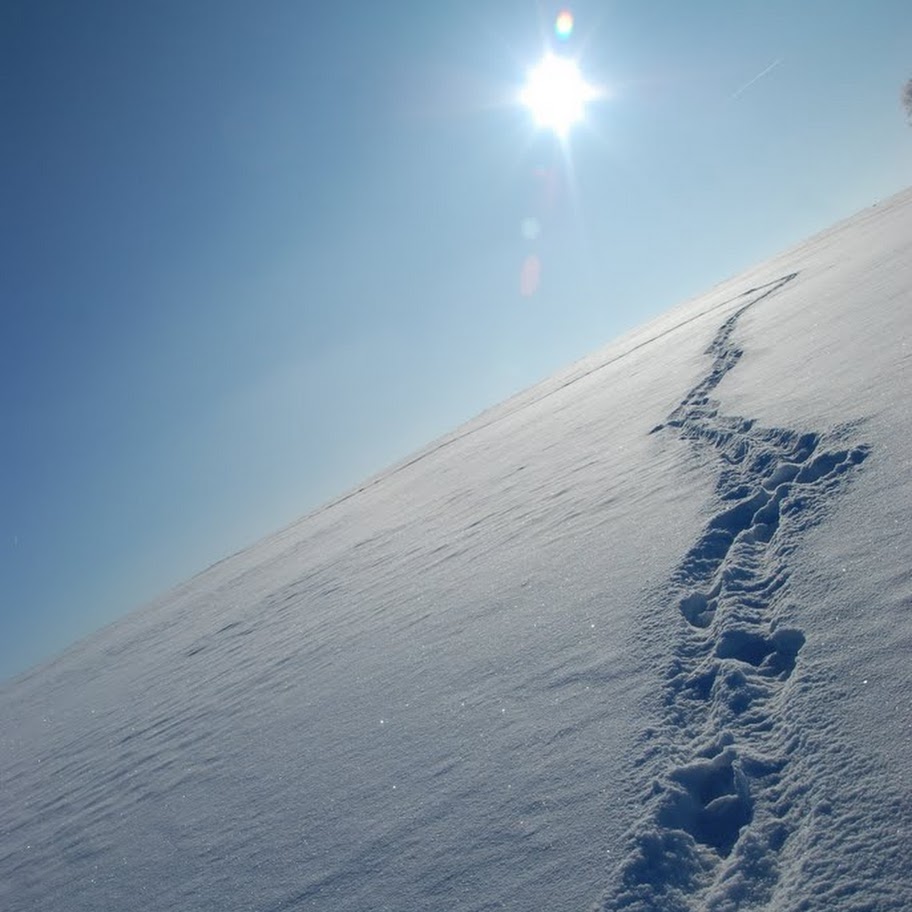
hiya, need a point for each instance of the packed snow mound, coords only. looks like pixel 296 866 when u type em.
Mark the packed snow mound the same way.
pixel 636 639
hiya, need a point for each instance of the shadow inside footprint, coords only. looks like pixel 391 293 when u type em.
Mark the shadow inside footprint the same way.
pixel 710 800
pixel 775 654
pixel 698 609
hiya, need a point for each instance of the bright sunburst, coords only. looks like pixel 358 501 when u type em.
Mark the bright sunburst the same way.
pixel 556 94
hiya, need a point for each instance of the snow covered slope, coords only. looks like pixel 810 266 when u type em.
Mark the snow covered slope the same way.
pixel 639 638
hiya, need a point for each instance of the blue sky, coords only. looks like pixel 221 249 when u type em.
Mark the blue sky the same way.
pixel 251 253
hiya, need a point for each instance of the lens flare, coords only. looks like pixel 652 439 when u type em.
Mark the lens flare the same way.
pixel 563 25
pixel 530 228
pixel 530 276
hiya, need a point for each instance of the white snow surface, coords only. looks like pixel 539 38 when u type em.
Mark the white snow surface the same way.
pixel 639 638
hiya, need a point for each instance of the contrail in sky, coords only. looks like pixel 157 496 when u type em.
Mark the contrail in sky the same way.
pixel 769 69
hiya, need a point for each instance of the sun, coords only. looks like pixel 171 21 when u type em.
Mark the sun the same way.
pixel 556 94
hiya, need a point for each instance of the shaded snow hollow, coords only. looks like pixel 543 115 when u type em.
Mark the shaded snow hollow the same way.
pixel 639 638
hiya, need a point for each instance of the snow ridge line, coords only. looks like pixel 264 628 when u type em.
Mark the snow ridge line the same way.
pixel 719 819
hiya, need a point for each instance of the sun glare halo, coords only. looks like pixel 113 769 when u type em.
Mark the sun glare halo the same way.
pixel 556 94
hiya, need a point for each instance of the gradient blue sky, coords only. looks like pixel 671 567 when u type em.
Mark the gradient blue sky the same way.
pixel 252 252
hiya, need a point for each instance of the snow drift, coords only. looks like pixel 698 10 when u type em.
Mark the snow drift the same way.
pixel 638 638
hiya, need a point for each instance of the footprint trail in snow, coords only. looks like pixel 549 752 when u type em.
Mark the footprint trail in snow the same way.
pixel 720 810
